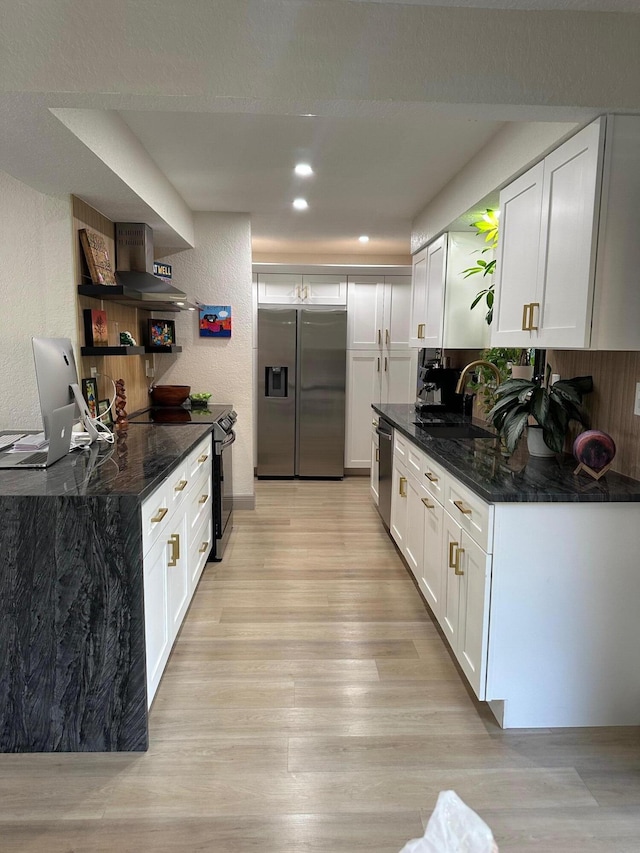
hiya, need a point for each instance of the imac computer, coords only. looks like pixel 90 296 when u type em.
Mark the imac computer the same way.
pixel 57 380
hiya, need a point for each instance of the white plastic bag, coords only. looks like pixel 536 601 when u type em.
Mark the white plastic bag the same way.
pixel 453 828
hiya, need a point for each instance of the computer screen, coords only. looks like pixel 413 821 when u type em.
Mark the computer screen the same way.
pixel 55 374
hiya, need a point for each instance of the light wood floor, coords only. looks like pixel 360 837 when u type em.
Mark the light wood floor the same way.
pixel 311 705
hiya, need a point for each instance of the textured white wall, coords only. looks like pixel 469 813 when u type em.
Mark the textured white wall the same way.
pixel 218 272
pixel 37 291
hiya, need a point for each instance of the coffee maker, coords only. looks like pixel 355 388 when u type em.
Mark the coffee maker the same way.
pixel 436 384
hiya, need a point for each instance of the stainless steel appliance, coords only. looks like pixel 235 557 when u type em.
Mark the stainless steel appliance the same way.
pixel 301 391
pixel 223 419
pixel 385 460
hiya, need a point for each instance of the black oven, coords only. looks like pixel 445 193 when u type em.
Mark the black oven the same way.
pixel 223 419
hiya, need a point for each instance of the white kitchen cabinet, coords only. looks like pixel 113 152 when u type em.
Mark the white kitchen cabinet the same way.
pixel 430 577
pixel 399 512
pixel 378 309
pixel 157 633
pixel 279 288
pixel 414 535
pixel 374 377
pixel 324 289
pixel 427 296
pixel 567 261
pixel 178 587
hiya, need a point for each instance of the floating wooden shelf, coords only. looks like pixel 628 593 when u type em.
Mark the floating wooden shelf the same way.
pixel 112 350
pixel 171 348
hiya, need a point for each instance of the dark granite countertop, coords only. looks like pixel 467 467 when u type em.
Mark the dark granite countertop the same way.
pixel 479 464
pixel 134 465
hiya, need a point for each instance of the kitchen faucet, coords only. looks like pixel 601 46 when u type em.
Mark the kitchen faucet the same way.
pixel 478 363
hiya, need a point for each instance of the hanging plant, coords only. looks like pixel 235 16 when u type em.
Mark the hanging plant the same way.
pixel 489 227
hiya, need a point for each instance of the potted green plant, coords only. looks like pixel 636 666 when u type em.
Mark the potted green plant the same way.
pixel 488 226
pixel 547 409
pixel 484 383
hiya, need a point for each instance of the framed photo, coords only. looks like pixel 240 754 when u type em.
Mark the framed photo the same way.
pixel 103 406
pixel 95 328
pixel 161 333
pixel 90 394
pixel 215 321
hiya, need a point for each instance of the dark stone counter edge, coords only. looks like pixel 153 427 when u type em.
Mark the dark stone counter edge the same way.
pixel 156 481
pixel 549 484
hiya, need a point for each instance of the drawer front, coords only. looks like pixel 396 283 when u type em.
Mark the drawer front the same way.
pixel 434 478
pixel 200 544
pixel 156 511
pixel 470 512
pixel 415 461
pixel 200 499
pixel 199 458
pixel 400 446
pixel 178 485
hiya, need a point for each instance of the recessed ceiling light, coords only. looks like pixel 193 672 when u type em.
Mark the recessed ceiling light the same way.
pixel 363 238
pixel 300 204
pixel 303 169
pixel 308 115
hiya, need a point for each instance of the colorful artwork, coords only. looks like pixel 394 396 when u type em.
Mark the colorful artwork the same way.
pixel 162 333
pixel 215 321
pixel 95 328
pixel 105 413
pixel 90 394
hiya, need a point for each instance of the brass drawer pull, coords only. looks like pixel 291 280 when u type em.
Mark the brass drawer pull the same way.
pixel 386 364
pixel 431 477
pixel 174 541
pixel 403 482
pixel 465 510
pixel 427 504
pixel 456 566
pixel 386 336
pixel 378 365
pixel 203 458
pixel 533 305
pixel 203 548
pixel 421 327
pixel 452 546
pixel 525 311
pixel 181 485
pixel 203 499
pixel 161 514
pixel 379 337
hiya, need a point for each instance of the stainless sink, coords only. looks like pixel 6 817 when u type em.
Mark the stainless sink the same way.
pixel 454 430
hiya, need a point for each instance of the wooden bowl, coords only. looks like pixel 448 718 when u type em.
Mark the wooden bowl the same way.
pixel 169 395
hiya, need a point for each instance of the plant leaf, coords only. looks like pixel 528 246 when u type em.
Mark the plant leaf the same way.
pixel 512 428
pixel 478 298
pixel 540 405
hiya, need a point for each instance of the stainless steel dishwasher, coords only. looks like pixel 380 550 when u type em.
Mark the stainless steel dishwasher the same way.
pixel 385 433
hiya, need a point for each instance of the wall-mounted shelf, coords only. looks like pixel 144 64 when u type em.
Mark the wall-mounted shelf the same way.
pixel 171 348
pixel 112 350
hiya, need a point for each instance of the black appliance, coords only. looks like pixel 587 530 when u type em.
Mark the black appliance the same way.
pixel 223 418
pixel 385 463
pixel 436 384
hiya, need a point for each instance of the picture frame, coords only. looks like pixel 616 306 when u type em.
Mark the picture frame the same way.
pixel 95 328
pixel 215 321
pixel 160 333
pixel 90 394
pixel 103 406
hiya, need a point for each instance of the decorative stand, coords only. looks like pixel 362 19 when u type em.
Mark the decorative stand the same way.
pixel 121 402
pixel 595 474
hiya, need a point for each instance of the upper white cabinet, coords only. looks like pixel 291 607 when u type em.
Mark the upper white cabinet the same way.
pixel 567 257
pixel 378 310
pixel 441 297
pixel 296 289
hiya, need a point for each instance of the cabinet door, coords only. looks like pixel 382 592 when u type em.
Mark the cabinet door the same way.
pixel 418 299
pixel 156 620
pixel 566 266
pixel 518 256
pixel 473 628
pixel 450 610
pixel 414 532
pixel 434 305
pixel 397 311
pixel 375 465
pixel 365 312
pixel 279 289
pixel 398 525
pixel 178 588
pixel 399 376
pixel 363 388
pixel 200 544
pixel 324 289
pixel 431 577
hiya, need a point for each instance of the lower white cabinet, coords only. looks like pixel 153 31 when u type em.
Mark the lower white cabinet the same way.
pixel 399 512
pixel 175 547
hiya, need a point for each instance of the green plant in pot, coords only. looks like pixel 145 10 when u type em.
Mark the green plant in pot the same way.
pixel 483 385
pixel 522 402
pixel 488 226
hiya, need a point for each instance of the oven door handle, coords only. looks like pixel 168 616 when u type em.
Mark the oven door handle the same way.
pixel 228 440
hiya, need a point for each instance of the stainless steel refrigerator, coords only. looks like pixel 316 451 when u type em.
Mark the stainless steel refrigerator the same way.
pixel 301 391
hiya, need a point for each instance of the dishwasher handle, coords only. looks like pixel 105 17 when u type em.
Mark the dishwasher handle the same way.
pixel 383 434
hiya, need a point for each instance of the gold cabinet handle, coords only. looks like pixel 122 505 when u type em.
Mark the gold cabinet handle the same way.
pixel 377 455
pixel 525 311
pixel 403 482
pixel 305 291
pixel 204 547
pixel 161 514
pixel 374 423
pixel 181 485
pixel 465 510
pixel 203 499
pixel 456 566
pixel 379 337
pixel 174 541
pixel 452 547
pixel 386 336
pixel 431 477
pixel 421 327
pixel 203 458
pixel 427 503
pixel 532 306
pixel 386 364
pixel 378 364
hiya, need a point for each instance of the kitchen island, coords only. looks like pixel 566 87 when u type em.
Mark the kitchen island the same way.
pixel 530 571
pixel 73 589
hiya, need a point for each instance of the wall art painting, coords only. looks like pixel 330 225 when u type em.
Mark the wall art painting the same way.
pixel 161 333
pixel 215 321
pixel 90 394
pixel 95 327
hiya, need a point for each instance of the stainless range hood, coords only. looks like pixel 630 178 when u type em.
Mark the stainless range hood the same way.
pixel 134 269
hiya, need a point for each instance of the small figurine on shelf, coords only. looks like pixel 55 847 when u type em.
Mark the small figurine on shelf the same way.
pixel 127 339
pixel 121 402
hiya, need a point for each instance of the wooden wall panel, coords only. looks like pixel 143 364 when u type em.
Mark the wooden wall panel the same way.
pixel 610 405
pixel 120 318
